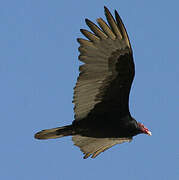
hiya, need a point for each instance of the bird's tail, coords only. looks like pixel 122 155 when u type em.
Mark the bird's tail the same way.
pixel 55 132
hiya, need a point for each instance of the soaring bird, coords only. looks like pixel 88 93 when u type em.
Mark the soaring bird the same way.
pixel 101 96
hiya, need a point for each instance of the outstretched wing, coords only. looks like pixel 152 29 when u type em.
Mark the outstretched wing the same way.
pixel 106 76
pixel 94 146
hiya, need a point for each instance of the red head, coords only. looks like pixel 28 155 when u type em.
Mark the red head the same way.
pixel 144 129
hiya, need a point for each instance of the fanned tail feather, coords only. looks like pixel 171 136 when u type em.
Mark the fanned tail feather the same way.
pixel 55 133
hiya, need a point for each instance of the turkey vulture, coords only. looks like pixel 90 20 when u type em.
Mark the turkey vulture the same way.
pixel 101 94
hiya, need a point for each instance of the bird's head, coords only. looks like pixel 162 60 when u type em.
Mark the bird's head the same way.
pixel 144 129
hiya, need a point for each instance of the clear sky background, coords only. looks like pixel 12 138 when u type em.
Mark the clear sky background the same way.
pixel 38 70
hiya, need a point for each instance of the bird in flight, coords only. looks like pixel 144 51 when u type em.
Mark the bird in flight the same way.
pixel 101 95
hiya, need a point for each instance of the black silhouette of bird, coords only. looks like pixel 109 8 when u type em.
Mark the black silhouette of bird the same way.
pixel 101 94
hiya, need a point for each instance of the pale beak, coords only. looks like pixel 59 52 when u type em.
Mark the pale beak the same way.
pixel 149 133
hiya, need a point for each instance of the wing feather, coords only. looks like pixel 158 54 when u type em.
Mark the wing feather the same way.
pixel 103 75
pixel 112 23
pixel 94 146
pixel 85 42
pixel 89 35
pixel 122 29
pixel 95 29
pixel 106 28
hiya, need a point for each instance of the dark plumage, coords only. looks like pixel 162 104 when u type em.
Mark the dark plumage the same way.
pixel 101 94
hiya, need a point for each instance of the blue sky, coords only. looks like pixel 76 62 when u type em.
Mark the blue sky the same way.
pixel 38 70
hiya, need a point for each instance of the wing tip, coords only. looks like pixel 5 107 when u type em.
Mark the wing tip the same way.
pixel 105 8
pixel 87 20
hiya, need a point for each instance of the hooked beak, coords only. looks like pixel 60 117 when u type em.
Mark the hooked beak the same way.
pixel 144 130
pixel 149 133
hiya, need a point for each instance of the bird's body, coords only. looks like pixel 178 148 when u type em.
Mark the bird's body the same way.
pixel 106 126
pixel 101 94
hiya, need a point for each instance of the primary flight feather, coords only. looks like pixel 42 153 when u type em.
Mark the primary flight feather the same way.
pixel 101 94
